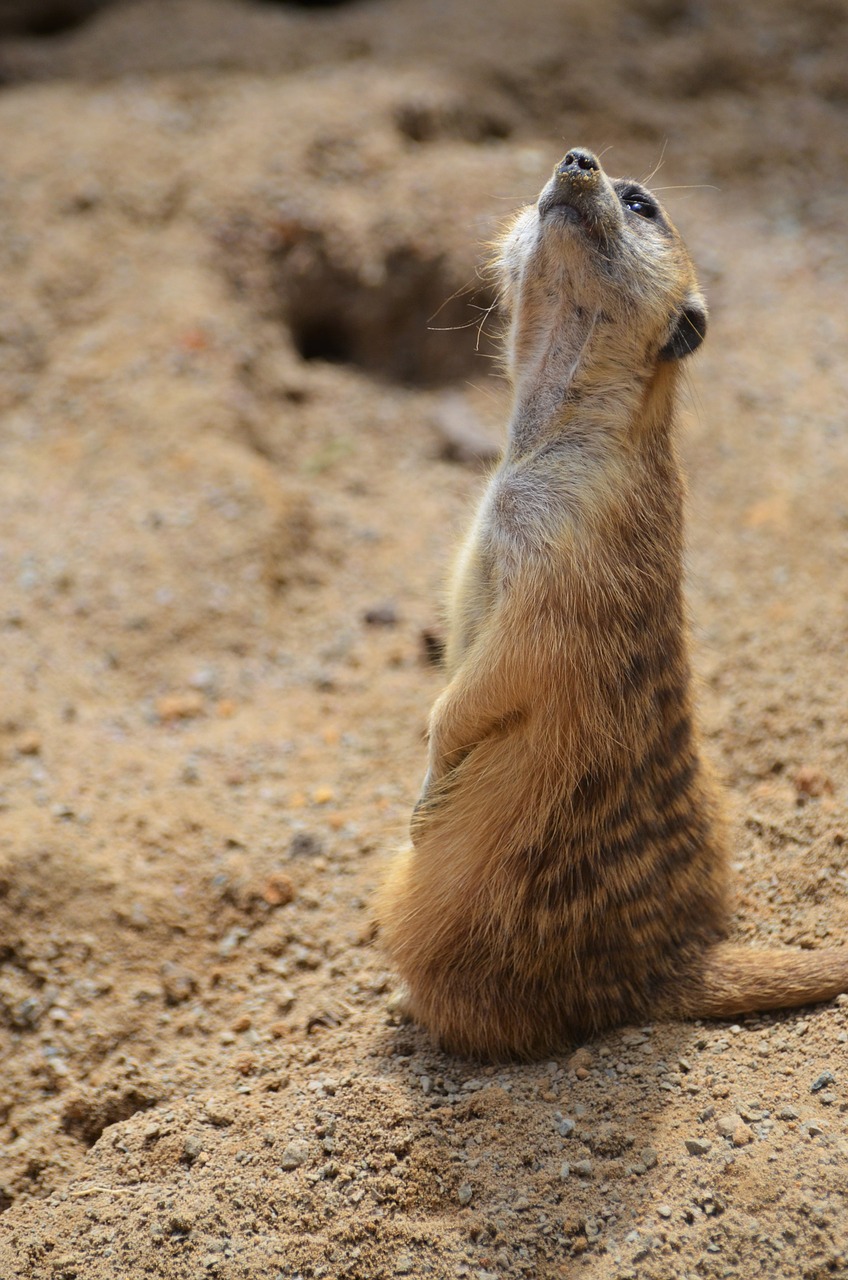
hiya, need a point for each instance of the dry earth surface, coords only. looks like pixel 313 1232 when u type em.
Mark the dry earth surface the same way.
pixel 234 460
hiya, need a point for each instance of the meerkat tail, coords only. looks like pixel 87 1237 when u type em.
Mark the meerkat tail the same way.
pixel 735 979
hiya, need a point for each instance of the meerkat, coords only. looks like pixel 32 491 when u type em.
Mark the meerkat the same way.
pixel 568 863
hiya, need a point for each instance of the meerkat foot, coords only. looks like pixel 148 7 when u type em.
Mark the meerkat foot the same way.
pixel 398 1005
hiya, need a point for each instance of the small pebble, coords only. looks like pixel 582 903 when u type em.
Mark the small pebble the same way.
pixel 380 615
pixel 664 1210
pixel 698 1146
pixel 726 1125
pixel 178 983
pixel 580 1059
pixel 465 1193
pixel 305 845
pixel 295 1154
pixel 826 1077
pixel 217 1113
pixel 278 889
pixel 648 1157
pixel 583 1168
pixel 192 1147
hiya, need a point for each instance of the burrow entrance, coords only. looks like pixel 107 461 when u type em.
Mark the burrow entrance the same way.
pixel 417 324
pixel 46 17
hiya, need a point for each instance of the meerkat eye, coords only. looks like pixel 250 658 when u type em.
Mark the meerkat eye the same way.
pixel 637 203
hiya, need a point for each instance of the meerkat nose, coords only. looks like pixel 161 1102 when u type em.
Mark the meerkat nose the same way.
pixel 577 160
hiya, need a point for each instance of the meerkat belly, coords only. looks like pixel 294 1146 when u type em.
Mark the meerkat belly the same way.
pixel 602 912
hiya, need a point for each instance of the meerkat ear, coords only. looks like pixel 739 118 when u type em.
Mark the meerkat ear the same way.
pixel 689 331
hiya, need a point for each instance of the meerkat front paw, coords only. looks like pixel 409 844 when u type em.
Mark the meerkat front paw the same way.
pixel 398 1006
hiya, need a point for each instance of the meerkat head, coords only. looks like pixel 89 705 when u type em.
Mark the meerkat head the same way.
pixel 599 255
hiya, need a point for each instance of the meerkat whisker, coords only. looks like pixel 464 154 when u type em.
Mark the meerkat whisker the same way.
pixel 657 166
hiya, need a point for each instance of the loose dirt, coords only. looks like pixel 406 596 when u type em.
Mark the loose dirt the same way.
pixel 240 433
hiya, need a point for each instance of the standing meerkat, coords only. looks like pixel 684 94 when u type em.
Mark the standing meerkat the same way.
pixel 568 864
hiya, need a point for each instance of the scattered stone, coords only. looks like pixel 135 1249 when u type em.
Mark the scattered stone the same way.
pixel 698 1146
pixel 278 889
pixel 178 983
pixel 404 1265
pixel 465 1192
pixel 787 1113
pixel 648 1157
pixel 565 1127
pixel 295 1154
pixel 741 1135
pixel 581 1059
pixel 305 845
pixel 826 1078
pixel 726 1125
pixel 664 1210
pixel 192 1147
pixel 583 1168
pixel 218 1113
pixel 380 615
pixel 564 1169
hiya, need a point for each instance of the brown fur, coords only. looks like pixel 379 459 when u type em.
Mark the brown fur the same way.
pixel 568 865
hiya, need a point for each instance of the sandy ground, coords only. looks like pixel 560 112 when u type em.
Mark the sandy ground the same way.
pixel 234 461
